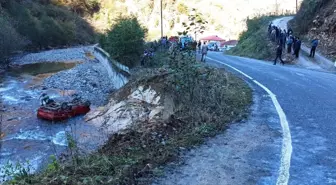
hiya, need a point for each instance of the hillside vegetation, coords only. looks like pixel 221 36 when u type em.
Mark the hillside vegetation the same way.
pixel 317 19
pixel 42 24
pixel 125 40
pixel 36 25
pixel 254 42
pixel 226 17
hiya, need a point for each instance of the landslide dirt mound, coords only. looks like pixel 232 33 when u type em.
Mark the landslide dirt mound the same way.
pixel 141 100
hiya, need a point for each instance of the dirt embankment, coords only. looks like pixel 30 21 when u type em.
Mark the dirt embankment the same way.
pixel 139 101
pixel 317 19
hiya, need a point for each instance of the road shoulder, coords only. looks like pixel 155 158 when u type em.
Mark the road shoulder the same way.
pixel 247 153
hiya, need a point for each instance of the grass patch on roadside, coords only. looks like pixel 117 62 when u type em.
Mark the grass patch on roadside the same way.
pixel 254 42
pixel 205 100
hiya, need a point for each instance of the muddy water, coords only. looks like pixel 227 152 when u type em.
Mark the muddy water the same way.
pixel 28 140
pixel 43 68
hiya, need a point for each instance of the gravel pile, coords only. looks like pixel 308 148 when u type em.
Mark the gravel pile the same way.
pixel 89 80
pixel 57 55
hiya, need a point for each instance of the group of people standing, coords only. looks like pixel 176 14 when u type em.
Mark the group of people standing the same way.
pixel 285 39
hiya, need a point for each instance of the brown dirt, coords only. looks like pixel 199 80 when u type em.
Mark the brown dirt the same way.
pixel 321 25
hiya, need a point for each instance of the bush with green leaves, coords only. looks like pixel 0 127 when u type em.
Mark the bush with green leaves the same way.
pixel 254 42
pixel 196 24
pixel 125 40
pixel 43 25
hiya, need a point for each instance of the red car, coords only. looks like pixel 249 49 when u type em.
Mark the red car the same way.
pixel 56 112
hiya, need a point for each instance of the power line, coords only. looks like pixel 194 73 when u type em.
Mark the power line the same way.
pixel 161 19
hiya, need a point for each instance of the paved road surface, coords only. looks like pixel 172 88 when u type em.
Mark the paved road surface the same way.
pixel 308 99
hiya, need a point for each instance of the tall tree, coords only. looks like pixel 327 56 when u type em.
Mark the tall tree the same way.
pixel 125 40
pixel 196 24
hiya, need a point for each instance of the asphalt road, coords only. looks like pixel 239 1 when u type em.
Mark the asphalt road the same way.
pixel 308 100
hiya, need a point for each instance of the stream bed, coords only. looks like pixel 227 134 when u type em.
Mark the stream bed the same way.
pixel 30 141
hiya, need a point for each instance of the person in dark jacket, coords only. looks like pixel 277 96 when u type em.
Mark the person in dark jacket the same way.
pixel 297 47
pixel 314 46
pixel 279 55
pixel 199 45
pixel 289 44
pixel 280 39
pixel 294 44
pixel 270 27
pixel 277 33
pixel 284 38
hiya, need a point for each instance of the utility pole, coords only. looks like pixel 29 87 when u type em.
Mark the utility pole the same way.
pixel 296 6
pixel 161 19
pixel 276 7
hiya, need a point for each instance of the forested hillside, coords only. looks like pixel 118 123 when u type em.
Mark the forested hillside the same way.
pixel 36 25
pixel 41 24
pixel 226 17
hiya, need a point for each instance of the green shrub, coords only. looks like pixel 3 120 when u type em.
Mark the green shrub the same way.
pixel 254 41
pixel 125 40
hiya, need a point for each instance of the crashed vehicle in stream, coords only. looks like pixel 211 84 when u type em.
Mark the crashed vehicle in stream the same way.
pixel 53 111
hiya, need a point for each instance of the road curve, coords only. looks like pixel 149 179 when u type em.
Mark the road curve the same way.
pixel 308 99
pixel 253 152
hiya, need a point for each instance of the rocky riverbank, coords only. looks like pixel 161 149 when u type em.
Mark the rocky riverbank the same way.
pixel 88 77
pixel 59 73
pixel 57 55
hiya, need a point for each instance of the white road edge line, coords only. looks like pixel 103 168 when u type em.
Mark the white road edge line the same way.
pixel 286 150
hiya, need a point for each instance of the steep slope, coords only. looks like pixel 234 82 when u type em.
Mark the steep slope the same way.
pixel 317 19
pixel 254 42
pixel 40 25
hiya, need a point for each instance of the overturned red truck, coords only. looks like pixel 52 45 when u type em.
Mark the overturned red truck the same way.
pixel 53 111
